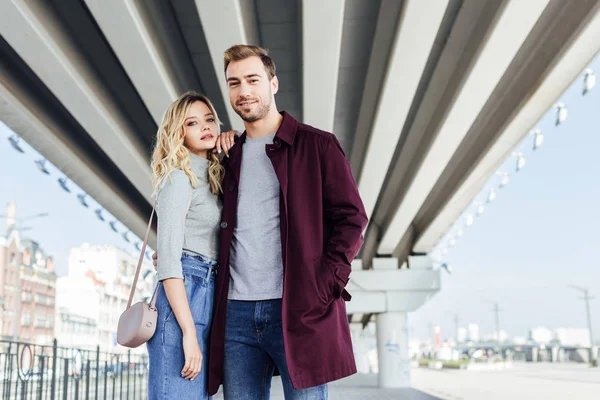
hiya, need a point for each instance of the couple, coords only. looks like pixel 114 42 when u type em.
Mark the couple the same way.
pixel 254 252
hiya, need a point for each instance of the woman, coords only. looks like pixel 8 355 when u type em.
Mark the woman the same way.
pixel 187 179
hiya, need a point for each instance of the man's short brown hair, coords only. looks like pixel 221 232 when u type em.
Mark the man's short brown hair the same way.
pixel 241 52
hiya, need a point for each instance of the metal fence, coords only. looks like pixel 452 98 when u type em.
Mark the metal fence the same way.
pixel 32 371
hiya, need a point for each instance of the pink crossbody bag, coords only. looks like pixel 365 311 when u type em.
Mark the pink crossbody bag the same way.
pixel 138 322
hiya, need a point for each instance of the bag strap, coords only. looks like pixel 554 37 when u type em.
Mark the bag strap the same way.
pixel 139 266
pixel 141 259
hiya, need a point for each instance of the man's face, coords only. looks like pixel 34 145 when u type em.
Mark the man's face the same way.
pixel 250 90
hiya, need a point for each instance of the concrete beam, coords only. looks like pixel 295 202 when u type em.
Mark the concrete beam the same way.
pixel 226 23
pixel 322 24
pixel 420 19
pixel 383 41
pixel 565 43
pixel 511 30
pixel 397 280
pixel 380 302
pixel 37 37
pixel 21 112
pixel 131 35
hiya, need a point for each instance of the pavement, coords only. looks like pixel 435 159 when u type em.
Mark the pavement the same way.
pixel 355 387
pixel 521 382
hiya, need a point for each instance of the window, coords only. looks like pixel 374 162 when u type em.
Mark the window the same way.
pixel 26 319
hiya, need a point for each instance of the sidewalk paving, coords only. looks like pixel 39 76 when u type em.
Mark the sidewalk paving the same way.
pixel 355 387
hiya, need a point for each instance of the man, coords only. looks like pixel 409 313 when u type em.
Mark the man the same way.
pixel 292 223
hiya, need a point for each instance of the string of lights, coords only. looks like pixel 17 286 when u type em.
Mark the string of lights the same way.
pixel 501 178
pixel 84 199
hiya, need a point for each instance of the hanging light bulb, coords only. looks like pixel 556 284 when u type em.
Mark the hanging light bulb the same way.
pixel 41 164
pixel 491 195
pixel 83 199
pixel 99 214
pixel 148 255
pixel 538 139
pixel 63 184
pixel 14 142
pixel 469 220
pixel 561 113
pixel 589 81
pixel 126 236
pixel 520 161
pixel 479 208
pixel 451 242
pixel 113 226
pixel 447 267
pixel 138 245
pixel 504 178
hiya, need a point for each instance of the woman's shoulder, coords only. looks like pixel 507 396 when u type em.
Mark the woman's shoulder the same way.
pixel 176 180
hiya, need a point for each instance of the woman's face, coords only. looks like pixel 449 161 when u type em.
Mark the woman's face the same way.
pixel 200 128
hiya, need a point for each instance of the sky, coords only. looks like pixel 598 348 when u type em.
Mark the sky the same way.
pixel 538 236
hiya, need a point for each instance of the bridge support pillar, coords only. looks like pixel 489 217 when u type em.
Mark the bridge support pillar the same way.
pixel 392 350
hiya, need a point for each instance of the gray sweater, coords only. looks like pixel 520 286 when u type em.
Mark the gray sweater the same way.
pixel 256 265
pixel 198 231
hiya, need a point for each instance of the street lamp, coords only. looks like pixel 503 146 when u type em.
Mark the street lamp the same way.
pixel 113 225
pixel 561 113
pixel 589 81
pixel 99 214
pixel 469 220
pixel 496 309
pixel 14 142
pixel 447 267
pixel 83 199
pixel 538 139
pixel 520 161
pixel 41 164
pixel 480 208
pixel 586 297
pixel 504 178
pixel 491 195
pixel 63 184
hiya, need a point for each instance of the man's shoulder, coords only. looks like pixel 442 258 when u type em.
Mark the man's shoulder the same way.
pixel 310 133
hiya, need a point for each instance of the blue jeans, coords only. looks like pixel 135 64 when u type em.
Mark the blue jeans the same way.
pixel 253 347
pixel 165 347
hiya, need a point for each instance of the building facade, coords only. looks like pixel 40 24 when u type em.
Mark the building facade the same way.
pixel 27 286
pixel 95 292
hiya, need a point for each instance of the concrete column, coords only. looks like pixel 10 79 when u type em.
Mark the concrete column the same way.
pixel 392 350
pixel 534 354
pixel 554 357
pixel 360 349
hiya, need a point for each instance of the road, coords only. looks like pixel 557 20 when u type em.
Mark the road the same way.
pixel 523 381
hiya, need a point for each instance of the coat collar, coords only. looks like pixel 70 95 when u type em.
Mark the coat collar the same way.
pixel 288 128
pixel 286 132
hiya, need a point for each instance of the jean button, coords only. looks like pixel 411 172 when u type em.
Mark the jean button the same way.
pixel 223 224
pixel 231 187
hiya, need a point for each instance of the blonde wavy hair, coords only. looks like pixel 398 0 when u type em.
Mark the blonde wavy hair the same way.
pixel 171 153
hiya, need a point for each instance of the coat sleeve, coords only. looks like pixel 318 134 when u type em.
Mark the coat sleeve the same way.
pixel 344 209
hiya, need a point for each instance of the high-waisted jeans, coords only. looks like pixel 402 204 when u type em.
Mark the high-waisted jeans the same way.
pixel 165 349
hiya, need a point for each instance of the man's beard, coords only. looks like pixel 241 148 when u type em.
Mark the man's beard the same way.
pixel 253 116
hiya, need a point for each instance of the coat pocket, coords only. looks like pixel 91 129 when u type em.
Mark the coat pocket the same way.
pixel 326 282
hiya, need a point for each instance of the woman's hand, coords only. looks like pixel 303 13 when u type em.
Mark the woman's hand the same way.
pixel 176 294
pixel 193 356
pixel 225 141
